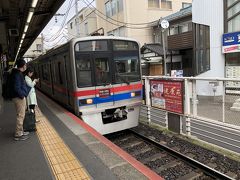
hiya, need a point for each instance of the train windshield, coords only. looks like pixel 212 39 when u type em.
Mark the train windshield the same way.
pixel 127 69
pixel 103 62
pixel 126 61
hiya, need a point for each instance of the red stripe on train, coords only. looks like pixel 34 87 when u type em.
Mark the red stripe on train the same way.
pixel 115 89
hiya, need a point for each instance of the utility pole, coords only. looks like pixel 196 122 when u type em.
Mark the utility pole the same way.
pixel 77 18
pixel 164 25
pixel 164 52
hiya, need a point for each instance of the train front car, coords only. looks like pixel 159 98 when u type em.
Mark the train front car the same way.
pixel 108 82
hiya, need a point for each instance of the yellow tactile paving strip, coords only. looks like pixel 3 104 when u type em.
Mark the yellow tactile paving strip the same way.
pixel 64 164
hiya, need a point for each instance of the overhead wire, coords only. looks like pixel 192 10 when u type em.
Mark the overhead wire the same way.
pixel 105 18
pixel 57 43
pixel 55 36
pixel 124 23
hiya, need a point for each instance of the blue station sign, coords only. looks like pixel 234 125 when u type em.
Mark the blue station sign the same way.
pixel 231 42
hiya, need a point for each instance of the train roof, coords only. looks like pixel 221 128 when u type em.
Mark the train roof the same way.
pixel 102 37
pixel 74 40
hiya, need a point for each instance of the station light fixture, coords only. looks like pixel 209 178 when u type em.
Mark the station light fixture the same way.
pixel 25 28
pixel 23 35
pixel 30 15
pixel 29 18
pixel 34 3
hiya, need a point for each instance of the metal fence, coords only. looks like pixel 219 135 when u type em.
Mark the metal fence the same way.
pixel 211 109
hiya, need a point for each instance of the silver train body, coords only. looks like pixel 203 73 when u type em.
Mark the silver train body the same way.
pixel 98 78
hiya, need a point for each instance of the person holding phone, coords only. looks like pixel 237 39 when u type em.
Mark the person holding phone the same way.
pixel 31 98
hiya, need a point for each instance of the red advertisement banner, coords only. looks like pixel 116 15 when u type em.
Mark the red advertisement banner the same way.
pixel 167 95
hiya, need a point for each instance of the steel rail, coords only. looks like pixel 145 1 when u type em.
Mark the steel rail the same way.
pixel 207 170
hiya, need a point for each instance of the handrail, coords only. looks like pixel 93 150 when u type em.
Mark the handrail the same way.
pixel 192 78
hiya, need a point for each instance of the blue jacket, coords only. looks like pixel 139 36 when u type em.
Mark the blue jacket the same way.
pixel 19 86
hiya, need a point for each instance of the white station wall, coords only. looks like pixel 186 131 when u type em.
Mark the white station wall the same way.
pixel 210 12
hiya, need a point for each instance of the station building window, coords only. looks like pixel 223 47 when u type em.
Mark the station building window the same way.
pixel 153 4
pixel 39 47
pixel 201 48
pixel 113 7
pixel 180 28
pixel 185 5
pixel 232 10
pixel 233 59
pixel 117 32
pixel 232 15
pixel 163 4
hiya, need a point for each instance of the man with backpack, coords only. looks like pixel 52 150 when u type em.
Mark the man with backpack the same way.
pixel 19 90
pixel 5 84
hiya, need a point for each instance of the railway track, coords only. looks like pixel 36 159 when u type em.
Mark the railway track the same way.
pixel 165 161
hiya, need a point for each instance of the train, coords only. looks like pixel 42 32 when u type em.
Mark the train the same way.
pixel 97 77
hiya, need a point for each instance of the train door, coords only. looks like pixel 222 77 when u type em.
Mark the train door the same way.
pixel 103 79
pixel 51 77
pixel 67 80
pixel 39 76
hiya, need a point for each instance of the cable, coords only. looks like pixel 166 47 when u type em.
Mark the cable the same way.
pixel 120 21
pixel 118 24
pixel 63 24
pixel 51 46
pixel 55 36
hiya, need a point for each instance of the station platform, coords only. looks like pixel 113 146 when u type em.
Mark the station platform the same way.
pixel 63 147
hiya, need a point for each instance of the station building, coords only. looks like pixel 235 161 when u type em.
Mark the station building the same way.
pixel 86 20
pixel 223 18
pixel 132 18
pixel 203 40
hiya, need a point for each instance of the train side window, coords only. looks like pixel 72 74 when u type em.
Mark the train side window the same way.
pixel 45 72
pixel 84 72
pixel 59 73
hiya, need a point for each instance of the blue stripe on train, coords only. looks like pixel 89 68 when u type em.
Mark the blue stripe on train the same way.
pixel 116 97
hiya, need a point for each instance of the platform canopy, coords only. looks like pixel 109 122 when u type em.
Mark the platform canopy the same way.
pixel 21 21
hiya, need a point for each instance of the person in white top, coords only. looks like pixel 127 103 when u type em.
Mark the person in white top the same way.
pixel 31 98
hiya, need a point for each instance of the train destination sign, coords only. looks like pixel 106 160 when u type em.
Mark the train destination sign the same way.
pixel 167 95
pixel 231 42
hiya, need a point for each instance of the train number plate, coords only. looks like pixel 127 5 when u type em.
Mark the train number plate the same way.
pixel 104 93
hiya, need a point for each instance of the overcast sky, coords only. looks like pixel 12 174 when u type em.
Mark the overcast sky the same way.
pixel 52 32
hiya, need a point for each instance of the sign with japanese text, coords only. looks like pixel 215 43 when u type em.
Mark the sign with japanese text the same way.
pixel 167 94
pixel 231 42
pixel 104 93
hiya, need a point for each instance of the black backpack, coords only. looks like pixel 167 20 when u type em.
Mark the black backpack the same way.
pixel 7 86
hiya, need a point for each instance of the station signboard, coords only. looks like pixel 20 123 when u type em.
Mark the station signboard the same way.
pixel 167 95
pixel 231 42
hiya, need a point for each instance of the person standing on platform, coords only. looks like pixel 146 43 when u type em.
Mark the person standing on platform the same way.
pixel 20 90
pixel 31 98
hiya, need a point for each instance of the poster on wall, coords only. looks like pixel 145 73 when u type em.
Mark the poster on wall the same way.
pixel 176 73
pixel 232 87
pixel 167 95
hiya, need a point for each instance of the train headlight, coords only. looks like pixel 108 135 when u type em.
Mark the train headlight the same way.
pixel 133 94
pixel 89 101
